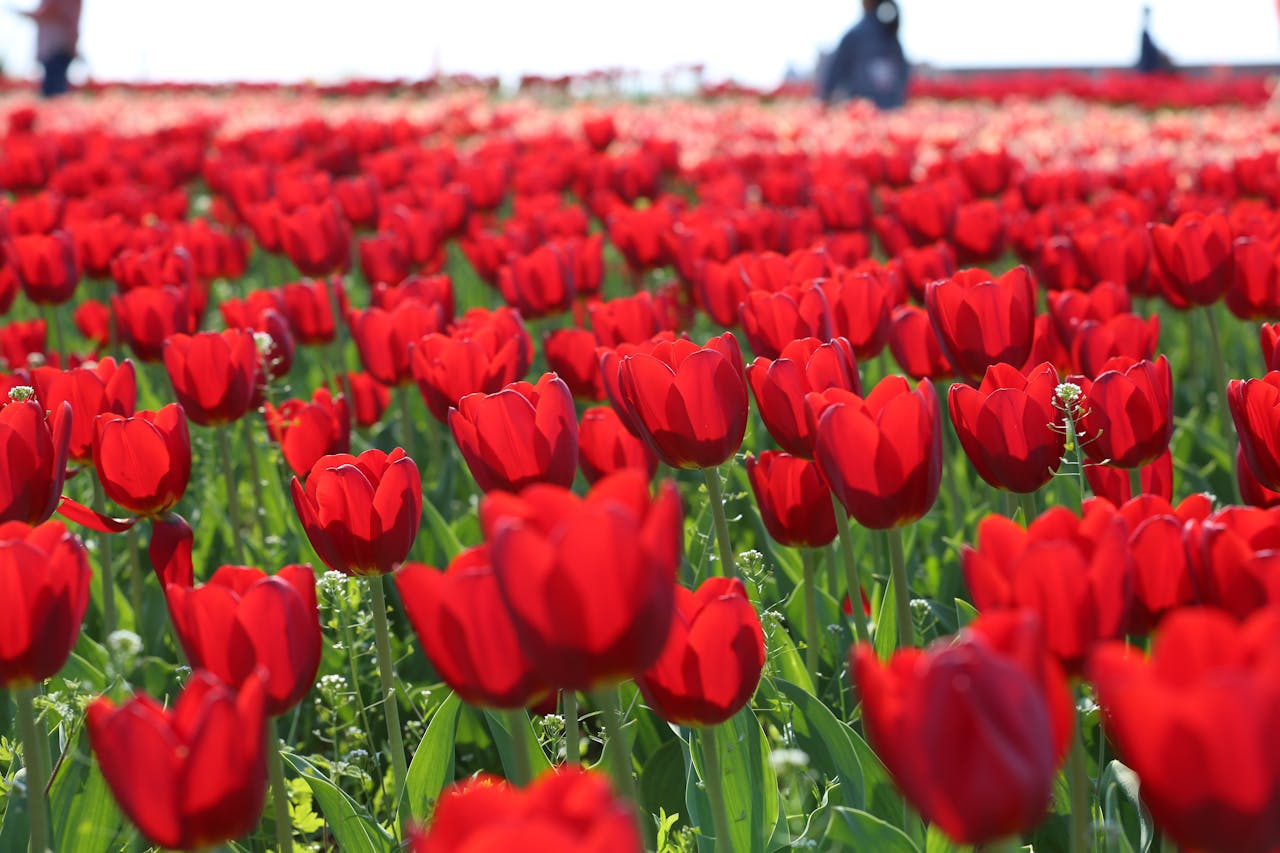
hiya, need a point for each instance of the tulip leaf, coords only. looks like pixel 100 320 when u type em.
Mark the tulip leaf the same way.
pixel 783 656
pixel 85 817
pixel 352 827
pixel 445 538
pixel 834 635
pixel 886 636
pixel 498 727
pixel 432 765
pixel 965 613
pixel 881 794
pixel 827 741
pixel 936 841
pixel 748 779
pixel 1129 824
pixel 852 829
pixel 662 781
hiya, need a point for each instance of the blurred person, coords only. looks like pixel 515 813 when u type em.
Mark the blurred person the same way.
pixel 869 63
pixel 1151 58
pixel 57 34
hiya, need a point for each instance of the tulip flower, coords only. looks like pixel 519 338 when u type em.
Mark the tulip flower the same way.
pixel 605 446
pixel 316 238
pixel 90 390
pixel 628 319
pixel 149 316
pixel 793 498
pixel 307 430
pixel 541 283
pixel 190 776
pixel 384 338
pixel 244 621
pixel 861 311
pixel 1010 427
pixel 1234 559
pixel 143 461
pixel 770 321
pixel 1196 722
pixel 361 513
pixel 35 451
pixel 481 356
pixel 915 347
pixel 1195 255
pixel 1116 484
pixel 214 374
pixel 465 630
pixel 308 306
pixel 981 321
pixel 369 398
pixel 45 265
pixel 1128 417
pixel 780 386
pixel 571 354
pixel 1255 408
pixel 520 435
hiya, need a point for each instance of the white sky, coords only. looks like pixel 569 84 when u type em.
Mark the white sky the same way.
pixel 750 40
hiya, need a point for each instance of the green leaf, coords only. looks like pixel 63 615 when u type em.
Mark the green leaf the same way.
pixel 881 794
pixel 749 782
pixel 432 765
pixel 352 827
pixel 502 740
pixel 936 841
pixel 440 529
pixel 783 655
pixel 851 829
pixel 85 817
pixel 1126 824
pixel 827 741
pixel 662 781
pixel 965 613
pixel 886 638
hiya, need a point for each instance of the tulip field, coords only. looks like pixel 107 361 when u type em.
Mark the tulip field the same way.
pixel 391 467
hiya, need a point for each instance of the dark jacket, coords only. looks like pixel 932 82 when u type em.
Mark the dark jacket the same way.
pixel 867 64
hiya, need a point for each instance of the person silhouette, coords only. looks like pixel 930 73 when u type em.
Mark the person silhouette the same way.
pixel 57 34
pixel 1151 58
pixel 869 63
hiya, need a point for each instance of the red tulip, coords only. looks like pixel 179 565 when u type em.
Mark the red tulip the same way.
pixel 214 374
pixel 384 338
pixel 361 513
pixel 308 305
pixel 482 356
pixel 689 402
pixel 1094 343
pixel 628 319
pixel 45 574
pixel 978 706
pixel 1255 408
pixel 1114 484
pixel 1075 573
pixel 780 387
pixel 770 321
pixel 711 663
pixel 143 461
pixel 541 283
pixel 1196 722
pixel 466 632
pixel 1255 285
pixel 605 446
pixel 794 500
pixel 1252 492
pixel 246 624
pixel 35 457
pixel 981 321
pixel 1128 418
pixel 191 776
pixel 155 266
pixel 882 454
pixel 1010 427
pixel 571 354
pixel 369 398
pixel 45 265
pixel 1234 557
pixel 316 238
pixel 149 316
pixel 612 555
pixel 90 390
pixel 915 346
pixel 520 435
pixel 384 259
pixel 307 430
pixel 861 311
pixel 23 343
pixel 1195 256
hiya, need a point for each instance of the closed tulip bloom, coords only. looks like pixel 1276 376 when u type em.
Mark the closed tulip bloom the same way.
pixel 610 359
pixel 1009 426
pixel 90 390
pixel 882 454
pixel 1097 342
pixel 481 357
pixel 628 319
pixel 1155 478
pixel 1234 557
pixel 1195 257
pixel 45 265
pixel 1255 408
pixel 861 311
pixel 1269 339
pixel 1196 722
pixel 245 623
pixel 915 347
pixel 711 663
pixel 190 776
pixel 567 809
pixel 965 731
pixel 690 402
pixel 1255 285
pixel 384 338
pixel 466 632
pixel 541 283
pixel 34 457
pixel 981 321
pixel 369 398
pixel 794 500
pixel 518 436
pixel 384 259
pixel 307 430
pixel 1252 492
pixel 316 238
pixel 156 266
pixel 780 386
pixel 605 446
pixel 143 461
pixel 361 513
pixel 770 321
pixel 614 554
pixel 44 577
pixel 308 306
pixel 1075 573
pixel 214 374
pixel 148 316
pixel 571 354
pixel 1128 418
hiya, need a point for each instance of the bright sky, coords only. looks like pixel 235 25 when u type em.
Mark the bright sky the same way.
pixel 750 40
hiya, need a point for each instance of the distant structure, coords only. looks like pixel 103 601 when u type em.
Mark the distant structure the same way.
pixel 1151 59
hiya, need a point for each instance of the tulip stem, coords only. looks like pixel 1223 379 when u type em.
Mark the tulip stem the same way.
pixel 518 722
pixel 1219 367
pixel 812 644
pixel 37 773
pixel 572 749
pixel 851 572
pixel 279 793
pixel 387 674
pixel 711 779
pixel 716 496
pixel 1013 844
pixel 1135 482
pixel 54 323
pixel 1027 501
pixel 233 497
pixel 406 420
pixel 615 729
pixel 1081 808
pixel 901 589
pixel 104 560
pixel 136 580
pixel 251 451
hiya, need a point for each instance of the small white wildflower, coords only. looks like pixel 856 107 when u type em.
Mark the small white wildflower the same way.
pixel 124 643
pixel 784 759
pixel 1068 393
pixel 35 359
pixel 263 341
pixel 21 393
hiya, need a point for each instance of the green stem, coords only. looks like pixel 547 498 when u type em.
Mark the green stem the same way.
pixel 572 746
pixel 1004 845
pixel 1029 509
pixel 1135 482
pixel 104 561
pixel 348 644
pixel 136 578
pixel 851 573
pixel 259 497
pixel 620 768
pixel 54 323
pixel 901 589
pixel 716 496
pixel 37 773
pixel 1219 366
pixel 233 498
pixel 812 641
pixel 406 419
pixel 387 676
pixel 713 780
pixel 279 793
pixel 1075 457
pixel 517 722
pixel 1081 808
